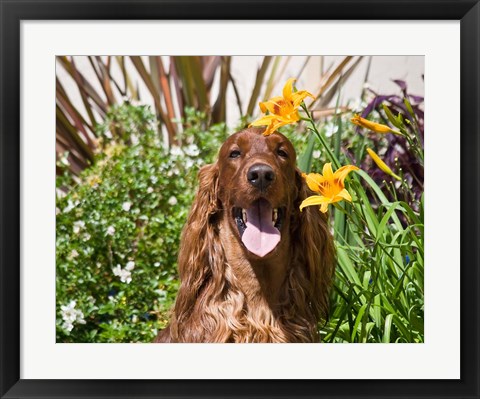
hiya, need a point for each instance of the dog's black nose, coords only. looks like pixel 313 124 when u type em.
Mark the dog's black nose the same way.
pixel 261 176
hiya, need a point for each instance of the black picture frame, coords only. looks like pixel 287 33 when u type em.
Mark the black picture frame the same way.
pixel 13 12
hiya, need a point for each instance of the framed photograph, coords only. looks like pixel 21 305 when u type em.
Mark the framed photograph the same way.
pixel 234 191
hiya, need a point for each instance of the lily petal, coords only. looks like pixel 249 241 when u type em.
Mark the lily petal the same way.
pixel 327 171
pixel 324 207
pixel 315 200
pixel 344 194
pixel 287 89
pixel 272 122
pixel 313 180
pixel 273 105
pixel 342 173
pixel 266 120
pixel 274 125
pixel 299 96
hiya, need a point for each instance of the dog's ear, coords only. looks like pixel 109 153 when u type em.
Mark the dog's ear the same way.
pixel 199 246
pixel 199 230
pixel 206 203
pixel 313 244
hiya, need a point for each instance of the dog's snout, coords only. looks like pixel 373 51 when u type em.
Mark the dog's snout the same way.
pixel 260 176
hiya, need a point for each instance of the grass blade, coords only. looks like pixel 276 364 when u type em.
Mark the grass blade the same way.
pixel 387 329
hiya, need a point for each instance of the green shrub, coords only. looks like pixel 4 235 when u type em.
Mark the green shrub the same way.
pixel 118 228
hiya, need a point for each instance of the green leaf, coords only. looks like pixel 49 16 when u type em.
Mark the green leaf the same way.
pixel 305 159
pixel 358 320
pixel 387 328
pixel 347 266
pixel 409 107
pixel 385 219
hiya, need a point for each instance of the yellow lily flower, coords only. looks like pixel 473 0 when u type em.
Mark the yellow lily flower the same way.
pixel 283 110
pixel 374 127
pixel 382 165
pixel 330 186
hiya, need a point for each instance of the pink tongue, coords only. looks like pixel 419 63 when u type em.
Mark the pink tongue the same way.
pixel 260 237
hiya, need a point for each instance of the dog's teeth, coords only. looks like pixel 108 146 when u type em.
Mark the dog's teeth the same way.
pixel 244 215
pixel 275 215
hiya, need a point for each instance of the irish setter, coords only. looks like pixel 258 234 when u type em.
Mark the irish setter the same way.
pixel 253 268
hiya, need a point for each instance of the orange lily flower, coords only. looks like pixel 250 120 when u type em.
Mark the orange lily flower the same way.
pixel 330 186
pixel 283 110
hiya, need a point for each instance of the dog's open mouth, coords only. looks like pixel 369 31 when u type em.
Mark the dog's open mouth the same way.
pixel 259 226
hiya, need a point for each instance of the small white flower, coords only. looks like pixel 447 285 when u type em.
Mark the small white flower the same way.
pixel 64 159
pixel 80 319
pixel 331 130
pixel 126 206
pixel 134 139
pixel 126 277
pixel 78 225
pixel 70 315
pixel 67 325
pixel 316 153
pixel 176 151
pixel 68 311
pixel 130 266
pixel 192 150
pixel 153 179
pixel 110 230
pixel 124 274
pixel 86 237
pixel 69 207
pixel 156 264
pixel 73 254
pixel 134 318
pixel 117 270
pixel 173 200
pixel 189 163
pixel 99 265
pixel 149 190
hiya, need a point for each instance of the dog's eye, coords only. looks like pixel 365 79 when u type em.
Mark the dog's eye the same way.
pixel 234 154
pixel 282 153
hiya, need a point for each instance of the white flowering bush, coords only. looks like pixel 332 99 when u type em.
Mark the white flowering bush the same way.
pixel 118 228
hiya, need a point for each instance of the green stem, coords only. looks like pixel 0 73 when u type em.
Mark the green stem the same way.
pixel 313 128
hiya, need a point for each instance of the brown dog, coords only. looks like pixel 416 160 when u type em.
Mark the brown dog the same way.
pixel 253 268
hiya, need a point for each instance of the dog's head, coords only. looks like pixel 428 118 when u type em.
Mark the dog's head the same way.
pixel 257 188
